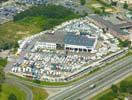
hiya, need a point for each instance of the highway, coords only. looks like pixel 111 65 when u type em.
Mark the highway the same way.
pixel 102 79
pixel 101 83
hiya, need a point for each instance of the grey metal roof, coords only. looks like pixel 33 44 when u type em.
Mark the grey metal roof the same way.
pixel 81 40
pixel 57 37
pixel 108 24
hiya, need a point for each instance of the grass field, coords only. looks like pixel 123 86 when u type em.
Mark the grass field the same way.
pixel 8 89
pixel 38 93
pixel 13 31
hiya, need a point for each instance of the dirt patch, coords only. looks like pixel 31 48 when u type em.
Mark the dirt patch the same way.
pixel 22 33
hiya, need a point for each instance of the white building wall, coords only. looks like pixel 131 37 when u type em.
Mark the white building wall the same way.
pixel 77 47
pixel 45 45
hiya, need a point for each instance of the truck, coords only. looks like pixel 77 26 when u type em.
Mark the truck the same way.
pixel 92 86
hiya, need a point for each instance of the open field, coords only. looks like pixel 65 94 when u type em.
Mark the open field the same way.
pixel 8 89
pixel 11 32
pixel 15 30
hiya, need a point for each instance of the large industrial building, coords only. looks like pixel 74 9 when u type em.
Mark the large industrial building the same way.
pixel 70 41
pixel 75 40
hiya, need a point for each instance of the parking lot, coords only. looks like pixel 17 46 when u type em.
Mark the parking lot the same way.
pixel 8 11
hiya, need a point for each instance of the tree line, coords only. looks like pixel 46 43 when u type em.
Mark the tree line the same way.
pixel 54 14
pixel 5 45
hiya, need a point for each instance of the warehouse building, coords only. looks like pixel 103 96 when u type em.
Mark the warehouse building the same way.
pixel 70 41
pixel 79 42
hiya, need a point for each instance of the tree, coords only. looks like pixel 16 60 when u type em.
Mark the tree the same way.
pixel 0 87
pixel 2 78
pixel 2 75
pixel 12 97
pixel 126 86
pixel 96 11
pixel 125 6
pixel 52 15
pixel 125 43
pixel 82 2
pixel 103 9
pixel 3 62
pixel 114 89
pixel 114 3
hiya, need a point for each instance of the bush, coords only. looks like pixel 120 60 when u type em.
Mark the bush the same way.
pixel 82 2
pixel 114 89
pixel 125 43
pixel 126 86
pixel 125 6
pixel 12 97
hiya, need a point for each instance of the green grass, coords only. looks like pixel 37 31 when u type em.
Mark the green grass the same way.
pixel 8 89
pixel 3 62
pixel 11 32
pixel 99 10
pixel 106 95
pixel 38 93
pixel 38 21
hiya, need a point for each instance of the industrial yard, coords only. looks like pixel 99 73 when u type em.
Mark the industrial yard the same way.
pixel 54 56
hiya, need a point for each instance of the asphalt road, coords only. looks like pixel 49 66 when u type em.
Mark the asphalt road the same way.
pixel 101 83
pixel 78 90
pixel 29 94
